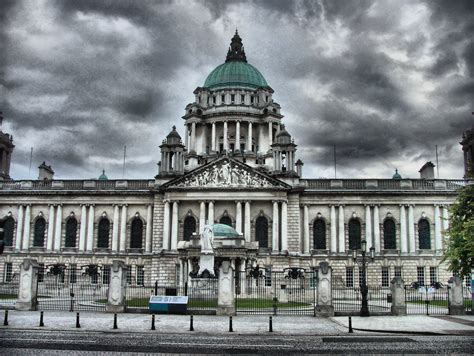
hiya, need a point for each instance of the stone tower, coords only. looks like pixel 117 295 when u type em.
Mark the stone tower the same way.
pixel 6 150
pixel 172 158
pixel 468 150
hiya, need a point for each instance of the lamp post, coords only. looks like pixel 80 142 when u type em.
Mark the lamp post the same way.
pixel 363 262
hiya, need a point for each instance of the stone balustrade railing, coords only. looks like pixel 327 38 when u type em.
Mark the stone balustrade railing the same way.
pixel 138 184
pixel 383 184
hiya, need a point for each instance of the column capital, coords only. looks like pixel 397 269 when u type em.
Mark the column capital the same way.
pixel 238 201
pixel 210 201
pixel 166 201
pixel 341 205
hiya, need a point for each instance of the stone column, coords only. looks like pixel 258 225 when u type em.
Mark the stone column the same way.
pixel 123 229
pixel 333 230
pixel 83 227
pixel 397 288
pixel 342 232
pixel 237 136
pixel 226 138
pixel 403 230
pixel 115 231
pixel 174 226
pixel 210 213
pixel 247 227
pixel 225 297
pixel 305 229
pixel 28 288
pixel 243 278
pixel 411 230
pixel 149 228
pixel 270 134
pixel 193 137
pixel 49 243
pixel 324 305
pixel 90 229
pixel 19 228
pixel 249 137
pixel 181 273
pixel 202 216
pixel 213 138
pixel 445 218
pixel 116 292
pixel 26 232
pixel 166 226
pixel 238 217
pixel 456 300
pixel 376 229
pixel 186 136
pixel 368 227
pixel 284 226
pixel 58 228
pixel 437 221
pixel 275 227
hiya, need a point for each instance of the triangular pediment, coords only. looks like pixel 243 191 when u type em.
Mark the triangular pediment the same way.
pixel 225 173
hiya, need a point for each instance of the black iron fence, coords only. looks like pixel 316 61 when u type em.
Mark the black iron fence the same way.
pixel 467 298
pixel 348 300
pixel 72 289
pixel 9 292
pixel 290 292
pixel 429 300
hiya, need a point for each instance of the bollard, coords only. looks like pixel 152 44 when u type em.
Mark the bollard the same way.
pixel 230 324
pixel 270 324
pixel 78 325
pixel 41 319
pixel 350 325
pixel 153 322
pixel 5 320
pixel 115 321
pixel 191 326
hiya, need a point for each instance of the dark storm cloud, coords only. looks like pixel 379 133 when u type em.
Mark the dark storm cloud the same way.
pixel 383 81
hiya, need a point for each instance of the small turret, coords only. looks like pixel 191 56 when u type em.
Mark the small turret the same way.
pixel 236 50
pixel 172 155
pixel 396 175
pixel 45 172
pixel 283 153
pixel 6 150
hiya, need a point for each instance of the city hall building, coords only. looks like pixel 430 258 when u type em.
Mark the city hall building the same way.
pixel 234 163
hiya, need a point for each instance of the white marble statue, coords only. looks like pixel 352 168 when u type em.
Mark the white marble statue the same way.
pixel 207 238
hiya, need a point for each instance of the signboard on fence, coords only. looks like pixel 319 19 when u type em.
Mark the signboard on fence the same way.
pixel 168 304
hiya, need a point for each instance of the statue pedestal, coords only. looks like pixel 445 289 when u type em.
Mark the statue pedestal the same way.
pixel 225 299
pixel 206 263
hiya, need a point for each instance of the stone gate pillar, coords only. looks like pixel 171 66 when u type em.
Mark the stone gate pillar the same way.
pixel 397 288
pixel 324 305
pixel 225 298
pixel 28 288
pixel 116 293
pixel 456 300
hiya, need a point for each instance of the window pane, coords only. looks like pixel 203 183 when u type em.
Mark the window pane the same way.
pixel 319 234
pixel 424 238
pixel 71 232
pixel 354 234
pixel 136 234
pixel 389 235
pixel 103 233
pixel 189 228
pixel 40 227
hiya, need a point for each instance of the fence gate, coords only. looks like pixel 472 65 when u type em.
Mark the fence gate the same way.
pixel 429 300
pixel 61 288
pixel 291 292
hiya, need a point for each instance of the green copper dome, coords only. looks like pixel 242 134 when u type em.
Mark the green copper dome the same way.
pixel 103 176
pixel 235 74
pixel 223 230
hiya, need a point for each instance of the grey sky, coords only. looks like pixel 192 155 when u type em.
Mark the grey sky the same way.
pixel 385 81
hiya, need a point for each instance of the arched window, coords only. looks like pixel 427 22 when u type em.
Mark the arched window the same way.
pixel 136 233
pixel 40 228
pixel 189 227
pixel 71 232
pixel 319 234
pixel 424 238
pixel 261 231
pixel 103 233
pixel 389 235
pixel 8 228
pixel 225 220
pixel 354 234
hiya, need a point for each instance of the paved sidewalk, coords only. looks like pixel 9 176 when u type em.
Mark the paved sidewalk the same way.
pixel 447 324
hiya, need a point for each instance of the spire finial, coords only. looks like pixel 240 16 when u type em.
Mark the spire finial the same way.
pixel 236 51
pixel 174 128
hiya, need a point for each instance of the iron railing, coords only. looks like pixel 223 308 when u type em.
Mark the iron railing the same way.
pixel 9 292
pixel 429 300
pixel 348 300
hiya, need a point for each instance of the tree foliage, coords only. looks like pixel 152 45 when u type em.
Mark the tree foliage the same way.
pixel 460 236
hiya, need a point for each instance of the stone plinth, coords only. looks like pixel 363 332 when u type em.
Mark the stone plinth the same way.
pixel 397 288
pixel 225 299
pixel 28 288
pixel 116 293
pixel 456 300
pixel 324 305
pixel 206 263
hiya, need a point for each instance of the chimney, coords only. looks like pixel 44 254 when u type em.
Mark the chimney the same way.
pixel 427 171
pixel 299 168
pixel 45 172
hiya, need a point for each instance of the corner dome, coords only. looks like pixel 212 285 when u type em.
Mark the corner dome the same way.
pixel 396 175
pixel 223 230
pixel 103 176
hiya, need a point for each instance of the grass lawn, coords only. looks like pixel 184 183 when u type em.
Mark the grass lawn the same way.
pixel 8 296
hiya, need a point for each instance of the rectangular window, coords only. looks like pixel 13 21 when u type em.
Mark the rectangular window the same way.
pixel 222 99
pixel 433 275
pixel 251 100
pixel 129 274
pixel 349 277
pixel 213 99
pixel 232 97
pixel 398 271
pixel 268 277
pixel 242 99
pixel 105 274
pixel 72 273
pixel 41 272
pixel 8 276
pixel 385 277
pixel 420 275
pixel 140 275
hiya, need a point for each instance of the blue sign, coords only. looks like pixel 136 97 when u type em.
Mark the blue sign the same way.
pixel 168 304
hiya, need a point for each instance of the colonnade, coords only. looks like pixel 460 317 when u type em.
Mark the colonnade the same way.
pixel 407 232
pixel 87 226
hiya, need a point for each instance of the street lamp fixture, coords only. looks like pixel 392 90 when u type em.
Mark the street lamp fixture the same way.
pixel 363 262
